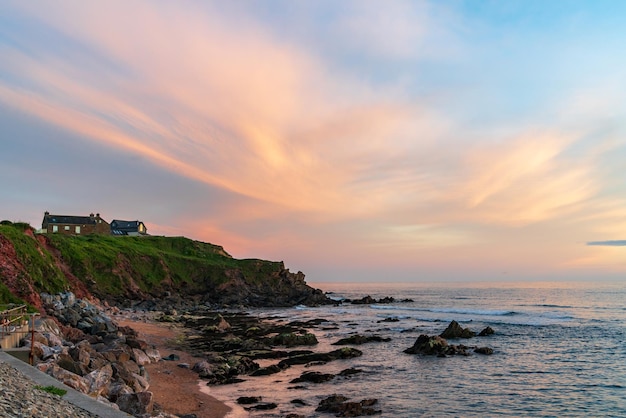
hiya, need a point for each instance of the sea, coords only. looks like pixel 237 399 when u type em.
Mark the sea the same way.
pixel 559 351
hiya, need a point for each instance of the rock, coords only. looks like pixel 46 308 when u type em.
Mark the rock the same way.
pixel 266 371
pixel 98 380
pixel 484 350
pixel 81 353
pixel 262 407
pixel 70 379
pixel 223 325
pixel 313 377
pixel 293 339
pixel 486 331
pixel 342 353
pixel 184 365
pixel 392 319
pixel 329 403
pixel 136 343
pixel 172 357
pixel 429 345
pixel 337 404
pixel 364 301
pixel 349 372
pixel 454 330
pixel 136 403
pixel 66 362
pixel 361 339
pixel 248 400
pixel 140 357
pixel 153 354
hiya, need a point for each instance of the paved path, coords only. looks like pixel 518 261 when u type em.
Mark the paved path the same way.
pixel 72 396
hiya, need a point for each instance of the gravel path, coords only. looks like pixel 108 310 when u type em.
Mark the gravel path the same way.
pixel 20 399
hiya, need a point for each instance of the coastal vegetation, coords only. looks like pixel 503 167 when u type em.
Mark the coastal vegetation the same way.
pixel 126 269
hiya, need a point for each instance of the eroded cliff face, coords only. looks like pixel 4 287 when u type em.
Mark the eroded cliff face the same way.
pixel 144 273
pixel 14 276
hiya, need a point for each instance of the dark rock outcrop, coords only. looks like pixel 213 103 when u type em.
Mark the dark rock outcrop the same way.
pixel 455 330
pixel 484 350
pixel 487 331
pixel 339 405
pixel 313 377
pixel 428 345
pixel 361 339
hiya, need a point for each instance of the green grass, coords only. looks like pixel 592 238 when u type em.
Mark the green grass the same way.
pixel 38 263
pixel 52 389
pixel 111 265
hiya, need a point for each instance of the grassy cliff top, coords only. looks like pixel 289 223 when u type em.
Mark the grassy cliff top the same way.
pixel 109 266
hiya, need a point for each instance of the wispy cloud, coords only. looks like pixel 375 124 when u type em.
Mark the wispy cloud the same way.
pixel 614 243
pixel 380 137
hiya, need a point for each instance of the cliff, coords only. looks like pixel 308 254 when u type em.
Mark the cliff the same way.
pixel 147 271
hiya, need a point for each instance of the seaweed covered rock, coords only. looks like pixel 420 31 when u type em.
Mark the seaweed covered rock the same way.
pixel 339 405
pixel 455 330
pixel 292 339
pixel 361 339
pixel 429 345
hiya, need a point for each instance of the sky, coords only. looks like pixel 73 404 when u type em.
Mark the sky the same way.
pixel 354 140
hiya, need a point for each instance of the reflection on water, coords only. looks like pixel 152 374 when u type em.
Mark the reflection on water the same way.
pixel 558 351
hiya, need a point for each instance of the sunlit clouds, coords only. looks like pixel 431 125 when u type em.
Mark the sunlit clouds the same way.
pixel 338 135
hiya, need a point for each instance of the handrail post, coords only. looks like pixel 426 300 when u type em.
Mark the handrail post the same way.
pixel 31 354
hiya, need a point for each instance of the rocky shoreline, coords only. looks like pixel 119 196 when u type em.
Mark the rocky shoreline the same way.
pixel 85 347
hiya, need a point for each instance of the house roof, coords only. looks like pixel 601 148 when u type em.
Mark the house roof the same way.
pixel 73 220
pixel 119 224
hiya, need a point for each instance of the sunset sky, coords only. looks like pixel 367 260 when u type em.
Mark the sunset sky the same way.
pixel 354 140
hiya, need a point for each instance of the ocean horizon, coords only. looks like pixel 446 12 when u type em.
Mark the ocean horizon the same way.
pixel 558 351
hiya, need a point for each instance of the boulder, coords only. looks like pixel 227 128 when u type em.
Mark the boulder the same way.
pixel 153 354
pixel 68 378
pixel 140 357
pixel 66 362
pixel 136 403
pixel 484 350
pixel 81 353
pixel 364 301
pixel 313 377
pixel 339 406
pixel 248 400
pixel 429 345
pixel 486 331
pixel 136 343
pixel 454 330
pixel 98 380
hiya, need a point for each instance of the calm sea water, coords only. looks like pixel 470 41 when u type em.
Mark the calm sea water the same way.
pixel 559 351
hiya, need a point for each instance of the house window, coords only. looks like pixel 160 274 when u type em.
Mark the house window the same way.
pixel 77 229
pixel 55 228
pixel 67 227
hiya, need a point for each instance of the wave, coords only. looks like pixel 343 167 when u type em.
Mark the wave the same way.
pixel 460 311
pixel 489 312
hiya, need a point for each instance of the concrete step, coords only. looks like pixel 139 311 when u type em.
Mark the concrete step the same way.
pixel 12 340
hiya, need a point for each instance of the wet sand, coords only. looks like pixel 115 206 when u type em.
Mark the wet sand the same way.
pixel 176 390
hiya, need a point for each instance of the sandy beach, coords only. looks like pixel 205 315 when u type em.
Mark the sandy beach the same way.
pixel 176 390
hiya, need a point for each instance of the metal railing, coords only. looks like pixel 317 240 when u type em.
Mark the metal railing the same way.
pixel 12 317
pixel 16 323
